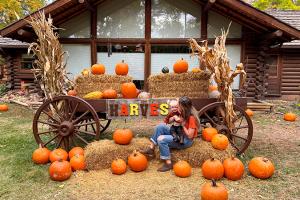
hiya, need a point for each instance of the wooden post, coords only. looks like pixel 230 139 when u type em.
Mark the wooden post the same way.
pixel 93 36
pixel 208 5
pixel 147 63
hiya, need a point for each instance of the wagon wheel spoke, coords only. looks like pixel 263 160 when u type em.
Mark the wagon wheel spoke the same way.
pixel 237 117
pixel 86 132
pixel 48 123
pixel 85 124
pixel 210 119
pixel 74 111
pixel 50 116
pixel 51 140
pixel 81 116
pixel 237 136
pixel 94 127
pixel 79 137
pixel 233 144
pixel 59 142
pixel 66 143
pixel 45 132
pixel 57 111
pixel 241 127
pixel 66 108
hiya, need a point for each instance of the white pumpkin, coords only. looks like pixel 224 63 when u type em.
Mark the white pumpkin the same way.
pixel 144 95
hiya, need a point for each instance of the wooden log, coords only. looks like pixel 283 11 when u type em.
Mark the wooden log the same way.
pixel 208 5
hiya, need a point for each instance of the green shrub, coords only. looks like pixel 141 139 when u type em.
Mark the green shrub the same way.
pixel 2 89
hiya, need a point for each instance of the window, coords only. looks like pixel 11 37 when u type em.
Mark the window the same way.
pixel 175 19
pixel 121 19
pixel 27 61
pixel 272 62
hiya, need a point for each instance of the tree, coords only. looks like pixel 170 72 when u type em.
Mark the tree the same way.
pixel 11 10
pixel 277 4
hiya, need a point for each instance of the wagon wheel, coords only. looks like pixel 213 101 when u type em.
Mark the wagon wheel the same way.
pixel 240 136
pixel 60 123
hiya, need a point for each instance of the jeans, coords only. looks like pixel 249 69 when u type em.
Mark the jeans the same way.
pixel 163 138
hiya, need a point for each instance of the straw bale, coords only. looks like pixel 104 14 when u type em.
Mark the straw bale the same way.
pixel 91 83
pixel 100 154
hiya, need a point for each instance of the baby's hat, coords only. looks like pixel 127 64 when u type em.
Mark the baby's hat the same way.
pixel 173 102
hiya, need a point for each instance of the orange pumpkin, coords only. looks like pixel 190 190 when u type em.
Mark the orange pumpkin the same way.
pixel 212 169
pixel 261 167
pixel 98 69
pixel 290 117
pixel 3 107
pixel 129 90
pixel 72 93
pixel 60 170
pixel 181 66
pixel 78 162
pixel 220 142
pixel 41 155
pixel 76 151
pixel 118 166
pixel 182 169
pixel 209 133
pixel 212 88
pixel 58 154
pixel 213 191
pixel 249 112
pixel 121 68
pixel 85 72
pixel 233 168
pixel 110 94
pixel 122 136
pixel 137 162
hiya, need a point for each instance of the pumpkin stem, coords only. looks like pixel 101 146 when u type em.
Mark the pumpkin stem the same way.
pixel 232 157
pixel 122 61
pixel 214 184
pixel 265 159
pixel 40 145
pixel 212 159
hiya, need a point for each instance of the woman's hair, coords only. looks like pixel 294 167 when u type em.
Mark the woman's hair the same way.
pixel 188 109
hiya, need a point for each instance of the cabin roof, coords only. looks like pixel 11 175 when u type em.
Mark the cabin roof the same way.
pixel 12 43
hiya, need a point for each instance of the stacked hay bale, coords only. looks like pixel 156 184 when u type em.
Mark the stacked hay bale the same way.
pixel 91 83
pixel 191 84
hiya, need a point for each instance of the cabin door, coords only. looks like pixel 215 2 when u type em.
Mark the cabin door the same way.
pixel 274 75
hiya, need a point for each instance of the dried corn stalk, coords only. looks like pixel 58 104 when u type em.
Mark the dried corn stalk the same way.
pixel 216 61
pixel 50 67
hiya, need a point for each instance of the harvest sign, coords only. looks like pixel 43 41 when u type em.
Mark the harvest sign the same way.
pixel 137 108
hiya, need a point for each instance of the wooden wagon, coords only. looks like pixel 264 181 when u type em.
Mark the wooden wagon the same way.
pixel 67 121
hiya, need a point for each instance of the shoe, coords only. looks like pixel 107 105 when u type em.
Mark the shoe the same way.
pixel 149 152
pixel 165 167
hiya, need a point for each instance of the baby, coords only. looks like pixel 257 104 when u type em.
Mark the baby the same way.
pixel 174 118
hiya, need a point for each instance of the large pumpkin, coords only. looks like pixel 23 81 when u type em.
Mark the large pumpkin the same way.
pixel 118 166
pixel 60 170
pixel 72 93
pixel 213 191
pixel 41 155
pixel 76 151
pixel 3 108
pixel 181 66
pixel 98 69
pixel 290 117
pixel 233 168
pixel 261 167
pixel 78 162
pixel 93 95
pixel 212 169
pixel 58 154
pixel 110 94
pixel 129 90
pixel 209 133
pixel 220 142
pixel 122 136
pixel 249 112
pixel 121 68
pixel 182 169
pixel 137 161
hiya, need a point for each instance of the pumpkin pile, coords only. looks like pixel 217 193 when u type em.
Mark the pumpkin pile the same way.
pixel 218 141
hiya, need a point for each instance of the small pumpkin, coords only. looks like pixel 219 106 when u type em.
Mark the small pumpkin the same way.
pixel 76 151
pixel 220 142
pixel 121 68
pixel 208 133
pixel 233 168
pixel 3 107
pixel 72 93
pixel 181 66
pixel 261 167
pixel 98 69
pixel 110 94
pixel 58 154
pixel 165 70
pixel 122 136
pixel 213 191
pixel 290 117
pixel 144 95
pixel 93 95
pixel 129 90
pixel 182 169
pixel 212 169
pixel 212 88
pixel 85 72
pixel 78 162
pixel 41 155
pixel 118 166
pixel 196 69
pixel 249 112
pixel 60 170
pixel 137 161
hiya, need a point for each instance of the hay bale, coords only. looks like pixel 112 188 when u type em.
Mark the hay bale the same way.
pixel 193 85
pixel 91 83
pixel 100 154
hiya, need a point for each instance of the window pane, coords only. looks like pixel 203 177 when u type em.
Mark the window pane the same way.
pixel 27 61
pixel 175 19
pixel 77 27
pixel 133 55
pixel 217 22
pixel 121 19
pixel 79 57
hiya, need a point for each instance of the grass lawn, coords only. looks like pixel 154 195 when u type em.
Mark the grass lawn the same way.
pixel 21 179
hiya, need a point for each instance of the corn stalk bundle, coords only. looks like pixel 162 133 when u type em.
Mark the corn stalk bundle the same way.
pixel 216 61
pixel 49 66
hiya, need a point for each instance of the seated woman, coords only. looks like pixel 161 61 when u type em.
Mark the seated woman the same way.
pixel 164 139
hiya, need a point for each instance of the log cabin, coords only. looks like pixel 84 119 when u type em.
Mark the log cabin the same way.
pixel 152 34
